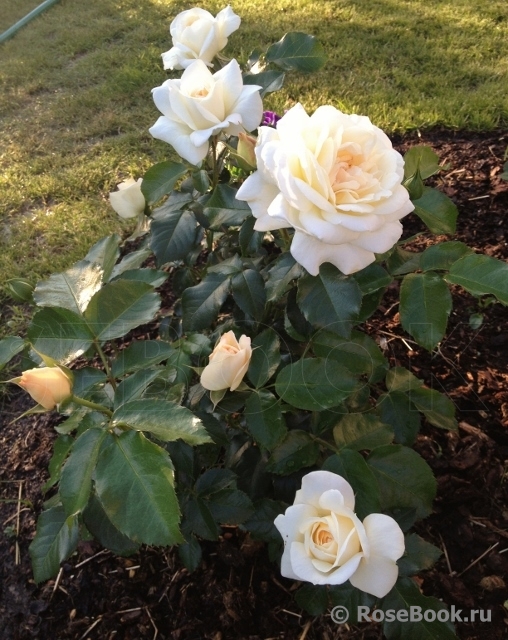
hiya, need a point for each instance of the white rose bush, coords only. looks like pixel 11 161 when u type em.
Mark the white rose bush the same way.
pixel 254 396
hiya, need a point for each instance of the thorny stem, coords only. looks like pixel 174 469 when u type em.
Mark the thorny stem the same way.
pixel 105 363
pixel 215 163
pixel 91 405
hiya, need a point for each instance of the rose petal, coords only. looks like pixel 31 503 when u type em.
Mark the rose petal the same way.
pixel 376 576
pixel 316 483
pixel 385 536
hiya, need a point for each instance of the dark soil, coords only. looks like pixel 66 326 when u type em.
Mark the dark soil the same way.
pixel 237 593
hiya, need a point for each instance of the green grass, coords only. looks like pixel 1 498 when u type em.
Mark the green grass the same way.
pixel 75 102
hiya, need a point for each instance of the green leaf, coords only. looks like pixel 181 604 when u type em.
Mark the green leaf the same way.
pixel 249 240
pixel 437 211
pixel 224 209
pixel 282 272
pixel 314 384
pixel 165 420
pixel 61 448
pixel 425 304
pixel 404 479
pixel 105 253
pixel 405 595
pixel 229 267
pixel 418 556
pixel 436 407
pixel 140 355
pixel 297 450
pixel 423 159
pixel 201 304
pixel 265 357
pixel 260 523
pixel 352 467
pixel 249 294
pixel 230 506
pixel 153 277
pixel 160 179
pixel 134 482
pixel 372 278
pixel 9 347
pixel 330 301
pixel 101 527
pixel 443 255
pixel 119 307
pixel 481 275
pixel 199 520
pixel 72 289
pixel 400 379
pixel 173 236
pixel 297 51
pixel 398 411
pixel 134 386
pixel 401 261
pixel 81 419
pixel 131 261
pixel 345 595
pixel 76 481
pixel 360 354
pixel 60 334
pixel 312 598
pixel 360 431
pixel 55 540
pixel 214 480
pixel 190 554
pixel 268 81
pixel 201 180
pixel 264 419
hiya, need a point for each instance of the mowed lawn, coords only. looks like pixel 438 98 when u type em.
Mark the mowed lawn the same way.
pixel 75 99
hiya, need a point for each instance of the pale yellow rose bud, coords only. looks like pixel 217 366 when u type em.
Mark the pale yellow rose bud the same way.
pixel 228 364
pixel 48 386
pixel 128 201
pixel 245 149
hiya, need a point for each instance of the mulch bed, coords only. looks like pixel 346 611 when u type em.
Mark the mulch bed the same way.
pixel 237 592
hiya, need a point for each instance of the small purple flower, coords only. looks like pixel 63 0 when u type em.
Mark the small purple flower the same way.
pixel 270 118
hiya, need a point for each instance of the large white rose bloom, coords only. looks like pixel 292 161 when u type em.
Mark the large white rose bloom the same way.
pixel 197 35
pixel 201 105
pixel 326 543
pixel 336 179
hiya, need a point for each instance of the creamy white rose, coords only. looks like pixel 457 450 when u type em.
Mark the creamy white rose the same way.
pixel 128 201
pixel 201 105
pixel 197 35
pixel 228 363
pixel 336 179
pixel 326 543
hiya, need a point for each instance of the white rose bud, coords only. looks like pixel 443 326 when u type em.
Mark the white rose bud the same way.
pixel 201 105
pixel 197 35
pixel 336 179
pixel 228 363
pixel 326 543
pixel 128 201
pixel 48 386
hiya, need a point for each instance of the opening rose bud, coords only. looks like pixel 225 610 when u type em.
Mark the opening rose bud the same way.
pixel 245 149
pixel 326 543
pixel 49 386
pixel 197 35
pixel 228 363
pixel 128 201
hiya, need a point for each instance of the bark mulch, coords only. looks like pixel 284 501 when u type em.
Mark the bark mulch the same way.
pixel 237 593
